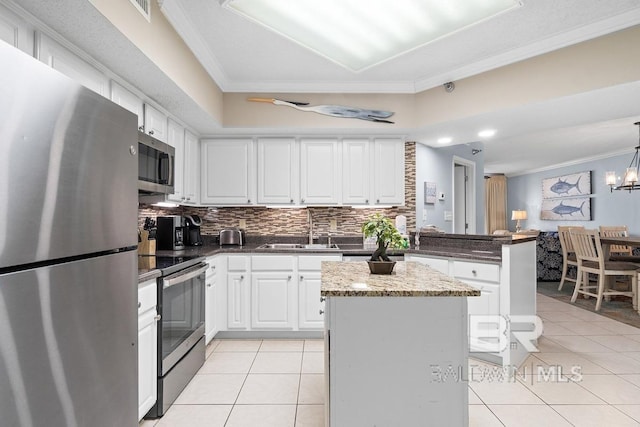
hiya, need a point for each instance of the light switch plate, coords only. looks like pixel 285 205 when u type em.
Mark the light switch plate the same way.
pixel 448 215
pixel 333 225
pixel 243 223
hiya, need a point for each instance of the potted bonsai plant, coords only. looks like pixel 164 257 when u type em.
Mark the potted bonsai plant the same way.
pixel 386 235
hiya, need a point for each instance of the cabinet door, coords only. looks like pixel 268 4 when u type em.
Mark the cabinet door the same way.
pixel 277 171
pixel 61 59
pixel 210 324
pixel 175 138
pixel 488 303
pixel 147 361
pixel 355 171
pixel 191 168
pixel 388 172
pixel 128 100
pixel 319 171
pixel 310 307
pixel 227 172
pixel 238 300
pixel 15 31
pixel 272 300
pixel 155 123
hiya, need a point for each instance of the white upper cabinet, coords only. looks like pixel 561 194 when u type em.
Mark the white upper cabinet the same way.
pixel 175 138
pixel 228 172
pixel 191 175
pixel 319 172
pixel 155 123
pixel 355 171
pixel 128 100
pixel 278 171
pixel 61 59
pixel 388 172
pixel 15 31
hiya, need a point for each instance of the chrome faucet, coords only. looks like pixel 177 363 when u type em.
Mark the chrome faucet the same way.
pixel 310 220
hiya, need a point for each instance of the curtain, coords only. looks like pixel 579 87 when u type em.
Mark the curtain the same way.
pixel 495 203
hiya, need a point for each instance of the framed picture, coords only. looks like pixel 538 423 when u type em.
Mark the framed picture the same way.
pixel 574 209
pixel 430 192
pixel 577 184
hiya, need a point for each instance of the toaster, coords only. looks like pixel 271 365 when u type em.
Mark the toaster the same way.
pixel 232 236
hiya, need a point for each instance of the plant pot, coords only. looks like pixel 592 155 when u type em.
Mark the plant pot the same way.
pixel 381 267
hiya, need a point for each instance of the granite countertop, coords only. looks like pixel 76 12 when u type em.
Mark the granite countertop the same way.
pixel 409 279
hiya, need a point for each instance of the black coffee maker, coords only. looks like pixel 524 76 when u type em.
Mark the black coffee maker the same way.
pixel 192 230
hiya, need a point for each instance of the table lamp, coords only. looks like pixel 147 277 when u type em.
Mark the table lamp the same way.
pixel 517 216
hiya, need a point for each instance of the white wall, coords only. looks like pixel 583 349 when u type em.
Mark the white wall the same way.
pixel 436 165
pixel 617 208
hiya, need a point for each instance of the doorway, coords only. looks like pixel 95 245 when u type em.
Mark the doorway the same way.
pixel 464 196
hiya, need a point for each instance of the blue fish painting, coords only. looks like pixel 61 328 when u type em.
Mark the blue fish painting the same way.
pixel 573 209
pixel 563 187
pixel 563 209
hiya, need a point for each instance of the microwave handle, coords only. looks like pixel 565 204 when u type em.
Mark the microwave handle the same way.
pixel 170 160
pixel 170 178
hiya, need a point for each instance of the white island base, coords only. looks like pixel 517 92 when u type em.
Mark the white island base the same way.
pixel 396 361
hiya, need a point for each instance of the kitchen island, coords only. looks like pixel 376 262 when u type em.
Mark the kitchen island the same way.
pixel 396 346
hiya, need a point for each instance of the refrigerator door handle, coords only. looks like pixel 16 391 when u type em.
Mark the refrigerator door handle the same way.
pixel 181 277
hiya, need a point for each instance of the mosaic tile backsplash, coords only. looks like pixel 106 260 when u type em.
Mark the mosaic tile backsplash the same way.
pixel 293 222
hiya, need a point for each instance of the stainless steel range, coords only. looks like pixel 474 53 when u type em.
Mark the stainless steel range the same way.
pixel 181 348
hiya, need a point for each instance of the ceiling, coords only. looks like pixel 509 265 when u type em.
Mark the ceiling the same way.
pixel 242 56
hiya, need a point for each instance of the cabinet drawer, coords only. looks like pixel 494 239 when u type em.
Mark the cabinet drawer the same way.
pixel 311 262
pixel 238 263
pixel 476 271
pixel 272 262
pixel 439 264
pixel 147 295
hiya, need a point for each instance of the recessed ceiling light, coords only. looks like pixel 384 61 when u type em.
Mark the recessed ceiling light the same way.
pixel 487 133
pixel 444 140
pixel 358 34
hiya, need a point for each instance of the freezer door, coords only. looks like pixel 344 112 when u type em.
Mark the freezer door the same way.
pixel 68 344
pixel 68 169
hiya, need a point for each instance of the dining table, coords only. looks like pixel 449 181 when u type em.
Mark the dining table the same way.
pixel 633 241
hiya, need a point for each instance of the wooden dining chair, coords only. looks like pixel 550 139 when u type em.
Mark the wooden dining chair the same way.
pixel 588 249
pixel 568 254
pixel 616 231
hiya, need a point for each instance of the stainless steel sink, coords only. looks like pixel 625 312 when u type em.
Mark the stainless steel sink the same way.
pixel 297 246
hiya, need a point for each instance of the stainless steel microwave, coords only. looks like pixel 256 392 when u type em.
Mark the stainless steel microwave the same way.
pixel 156 165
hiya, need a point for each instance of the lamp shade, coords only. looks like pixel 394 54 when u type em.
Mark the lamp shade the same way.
pixel 517 215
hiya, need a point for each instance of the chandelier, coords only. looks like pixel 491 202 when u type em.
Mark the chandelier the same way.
pixel 630 179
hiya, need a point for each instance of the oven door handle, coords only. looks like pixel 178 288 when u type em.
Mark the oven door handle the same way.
pixel 182 277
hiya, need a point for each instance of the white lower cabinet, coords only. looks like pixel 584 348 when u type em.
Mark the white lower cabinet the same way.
pixel 147 346
pixel 272 300
pixel 310 304
pixel 485 277
pixel 238 289
pixel 211 326
pixel 440 264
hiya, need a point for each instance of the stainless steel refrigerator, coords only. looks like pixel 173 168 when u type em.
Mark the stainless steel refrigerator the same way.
pixel 68 260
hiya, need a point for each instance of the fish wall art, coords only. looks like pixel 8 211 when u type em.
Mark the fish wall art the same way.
pixel 577 184
pixel 572 209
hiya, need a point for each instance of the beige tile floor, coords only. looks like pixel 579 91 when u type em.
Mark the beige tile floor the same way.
pixel 264 383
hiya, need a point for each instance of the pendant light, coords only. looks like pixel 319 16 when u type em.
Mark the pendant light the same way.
pixel 630 179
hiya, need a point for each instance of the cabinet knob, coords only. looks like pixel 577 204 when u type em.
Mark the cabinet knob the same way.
pixel 323 299
pixel 321 312
pixel 158 317
pixel 141 128
pixel 378 201
pixel 366 201
pixel 291 201
pixel 150 132
pixel 288 277
pixel 139 304
pixel 474 272
pixel 241 277
pixel 209 285
pixel 302 200
pixel 248 200
pixel 301 277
